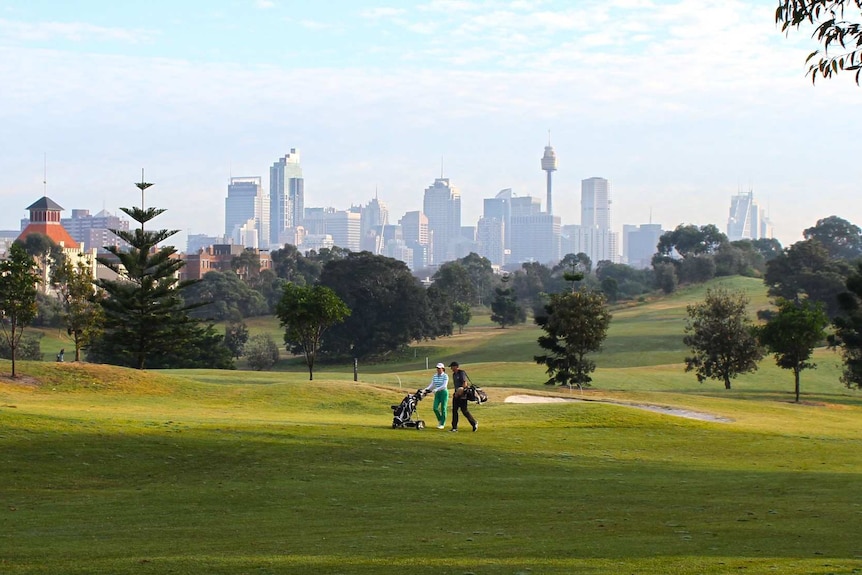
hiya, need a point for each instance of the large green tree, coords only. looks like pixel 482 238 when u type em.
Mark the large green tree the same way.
pixel 848 329
pixel 453 279
pixel 18 280
pixel 440 318
pixel 389 306
pixel 836 25
pixel 841 239
pixel 290 264
pixel 305 314
pixel 575 324
pixel 482 277
pixel 792 333
pixel 721 336
pixel 147 323
pixel 805 270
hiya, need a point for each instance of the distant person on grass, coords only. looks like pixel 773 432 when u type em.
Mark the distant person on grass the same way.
pixel 459 398
pixel 439 387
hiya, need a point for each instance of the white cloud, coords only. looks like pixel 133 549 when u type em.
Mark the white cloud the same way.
pixel 71 31
pixel 381 13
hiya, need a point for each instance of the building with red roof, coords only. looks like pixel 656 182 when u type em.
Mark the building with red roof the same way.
pixel 45 220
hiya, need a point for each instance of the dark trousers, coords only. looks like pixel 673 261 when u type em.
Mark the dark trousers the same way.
pixel 460 404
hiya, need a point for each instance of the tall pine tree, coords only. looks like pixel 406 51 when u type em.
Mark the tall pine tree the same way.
pixel 147 323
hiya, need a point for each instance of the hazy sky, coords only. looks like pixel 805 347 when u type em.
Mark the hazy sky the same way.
pixel 679 104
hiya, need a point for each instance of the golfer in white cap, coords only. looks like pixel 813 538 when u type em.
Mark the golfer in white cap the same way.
pixel 439 386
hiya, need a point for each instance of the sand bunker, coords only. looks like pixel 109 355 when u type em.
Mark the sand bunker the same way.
pixel 656 408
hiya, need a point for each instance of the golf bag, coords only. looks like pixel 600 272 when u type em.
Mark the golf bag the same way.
pixel 403 413
pixel 476 394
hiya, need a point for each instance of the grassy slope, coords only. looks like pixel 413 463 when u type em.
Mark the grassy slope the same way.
pixel 106 470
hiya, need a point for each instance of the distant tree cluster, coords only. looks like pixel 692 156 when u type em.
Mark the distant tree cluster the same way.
pixel 690 255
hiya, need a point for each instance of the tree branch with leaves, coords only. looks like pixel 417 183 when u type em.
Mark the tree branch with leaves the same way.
pixel 836 25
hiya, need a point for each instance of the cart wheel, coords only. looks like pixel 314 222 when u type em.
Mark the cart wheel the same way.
pixel 420 424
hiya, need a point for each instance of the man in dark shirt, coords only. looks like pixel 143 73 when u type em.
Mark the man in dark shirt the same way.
pixel 459 398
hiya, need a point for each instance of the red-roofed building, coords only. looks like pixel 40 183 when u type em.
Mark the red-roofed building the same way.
pixel 45 220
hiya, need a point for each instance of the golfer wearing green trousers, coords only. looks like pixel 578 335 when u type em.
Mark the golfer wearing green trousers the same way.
pixel 439 384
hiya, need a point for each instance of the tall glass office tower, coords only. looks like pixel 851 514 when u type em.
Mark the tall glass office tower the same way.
pixel 286 194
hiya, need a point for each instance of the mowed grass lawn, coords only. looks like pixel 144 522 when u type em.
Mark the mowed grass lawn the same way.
pixel 114 471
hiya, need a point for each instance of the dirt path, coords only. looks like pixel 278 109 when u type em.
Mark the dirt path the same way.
pixel 656 408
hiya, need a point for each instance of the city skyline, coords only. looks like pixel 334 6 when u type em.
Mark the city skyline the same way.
pixel 680 106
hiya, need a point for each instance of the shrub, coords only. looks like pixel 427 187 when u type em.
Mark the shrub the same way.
pixel 29 348
pixel 261 352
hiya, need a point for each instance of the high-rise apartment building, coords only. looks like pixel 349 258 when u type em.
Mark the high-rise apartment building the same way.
pixel 247 201
pixel 442 206
pixel 94 232
pixel 286 194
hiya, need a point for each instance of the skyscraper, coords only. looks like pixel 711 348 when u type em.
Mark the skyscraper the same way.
pixel 414 231
pixel 286 194
pixel 535 238
pixel 491 235
pixel 500 208
pixel 549 165
pixel 246 201
pixel 442 206
pixel 375 217
pixel 746 220
pixel 640 244
pixel 600 241
pixel 596 203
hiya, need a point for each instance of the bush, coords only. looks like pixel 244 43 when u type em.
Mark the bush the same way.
pixel 29 348
pixel 261 352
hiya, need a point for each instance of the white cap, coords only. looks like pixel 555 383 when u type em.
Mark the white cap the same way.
pixel 439 365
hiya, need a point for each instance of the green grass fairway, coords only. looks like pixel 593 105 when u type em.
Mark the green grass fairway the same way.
pixel 105 470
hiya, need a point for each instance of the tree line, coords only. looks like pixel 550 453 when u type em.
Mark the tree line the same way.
pixel 337 305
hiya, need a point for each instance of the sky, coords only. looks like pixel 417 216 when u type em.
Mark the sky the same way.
pixel 679 104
